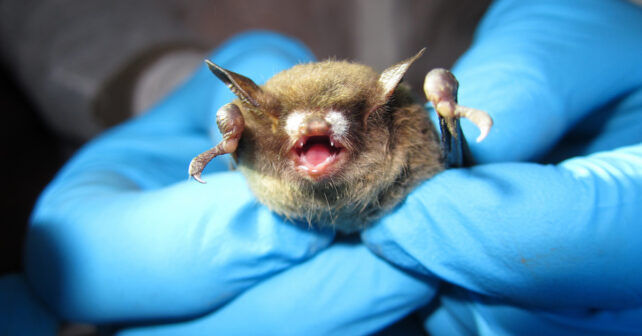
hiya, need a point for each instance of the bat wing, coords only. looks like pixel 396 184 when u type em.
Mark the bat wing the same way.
pixel 454 146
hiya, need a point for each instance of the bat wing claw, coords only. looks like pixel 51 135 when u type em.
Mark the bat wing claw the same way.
pixel 480 118
pixel 231 124
pixel 441 88
pixel 196 167
pixel 197 177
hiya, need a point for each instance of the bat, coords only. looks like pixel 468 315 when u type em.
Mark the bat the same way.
pixel 334 143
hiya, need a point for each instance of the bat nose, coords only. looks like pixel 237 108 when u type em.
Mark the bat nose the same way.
pixel 315 126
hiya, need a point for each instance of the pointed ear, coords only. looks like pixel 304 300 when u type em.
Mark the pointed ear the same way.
pixel 391 77
pixel 241 86
pixel 388 82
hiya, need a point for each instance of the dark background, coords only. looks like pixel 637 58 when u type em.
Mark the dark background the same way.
pixel 41 40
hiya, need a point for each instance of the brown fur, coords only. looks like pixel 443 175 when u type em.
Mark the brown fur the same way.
pixel 396 148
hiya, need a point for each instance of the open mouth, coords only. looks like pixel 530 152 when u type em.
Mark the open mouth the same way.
pixel 317 156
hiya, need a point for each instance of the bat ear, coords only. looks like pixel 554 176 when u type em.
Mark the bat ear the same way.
pixel 243 87
pixel 388 82
pixel 391 77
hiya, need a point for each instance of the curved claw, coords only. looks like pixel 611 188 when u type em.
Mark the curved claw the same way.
pixel 480 118
pixel 231 124
pixel 440 87
pixel 196 167
pixel 197 177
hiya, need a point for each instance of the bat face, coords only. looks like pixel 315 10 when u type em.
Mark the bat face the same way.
pixel 331 143
pixel 320 136
pixel 320 140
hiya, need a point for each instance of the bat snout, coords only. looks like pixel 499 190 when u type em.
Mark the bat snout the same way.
pixel 301 123
pixel 314 126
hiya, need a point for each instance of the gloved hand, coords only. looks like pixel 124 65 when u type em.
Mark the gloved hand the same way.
pixel 121 234
pixel 563 83
pixel 21 313
pixel 343 290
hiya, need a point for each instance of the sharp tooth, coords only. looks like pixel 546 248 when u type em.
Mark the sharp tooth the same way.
pixel 303 167
pixel 331 143
pixel 300 143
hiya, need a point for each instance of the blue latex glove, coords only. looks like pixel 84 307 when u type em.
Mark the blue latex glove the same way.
pixel 21 313
pixel 122 235
pixel 538 248
pixel 344 290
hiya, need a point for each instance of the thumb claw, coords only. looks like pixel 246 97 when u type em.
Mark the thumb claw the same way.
pixel 196 168
pixel 483 134
pixel 441 87
pixel 480 118
pixel 484 128
pixel 197 177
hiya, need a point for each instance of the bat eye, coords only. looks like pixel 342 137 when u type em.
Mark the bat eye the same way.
pixel 369 113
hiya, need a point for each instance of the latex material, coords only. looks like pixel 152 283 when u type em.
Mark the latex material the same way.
pixel 21 313
pixel 538 248
pixel 122 237
pixel 119 272
pixel 344 290
pixel 121 234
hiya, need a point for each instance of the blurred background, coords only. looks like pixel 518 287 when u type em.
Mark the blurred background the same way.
pixel 70 69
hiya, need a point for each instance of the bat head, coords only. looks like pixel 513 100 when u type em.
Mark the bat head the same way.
pixel 321 133
pixel 316 115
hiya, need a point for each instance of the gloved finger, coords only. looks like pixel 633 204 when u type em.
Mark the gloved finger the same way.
pixel 616 125
pixel 22 313
pixel 538 67
pixel 466 313
pixel 98 254
pixel 114 211
pixel 344 290
pixel 539 235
